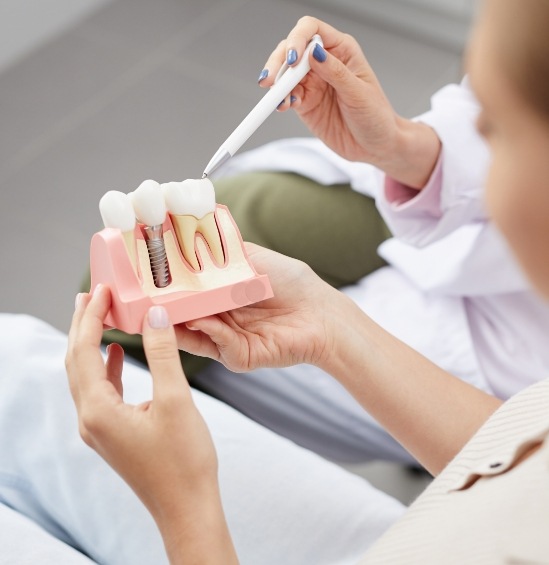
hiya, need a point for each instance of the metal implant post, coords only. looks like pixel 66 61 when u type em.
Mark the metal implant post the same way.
pixel 157 256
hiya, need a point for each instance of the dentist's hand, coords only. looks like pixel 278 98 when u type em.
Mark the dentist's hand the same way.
pixel 295 326
pixel 341 101
pixel 161 448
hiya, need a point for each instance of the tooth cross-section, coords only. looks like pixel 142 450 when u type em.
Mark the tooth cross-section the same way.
pixel 192 207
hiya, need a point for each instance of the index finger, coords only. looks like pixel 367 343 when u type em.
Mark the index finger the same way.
pixel 297 41
pixel 302 33
pixel 89 316
pixel 83 356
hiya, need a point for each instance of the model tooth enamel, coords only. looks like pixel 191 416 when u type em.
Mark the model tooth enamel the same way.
pixel 192 206
pixel 150 209
pixel 117 212
pixel 149 204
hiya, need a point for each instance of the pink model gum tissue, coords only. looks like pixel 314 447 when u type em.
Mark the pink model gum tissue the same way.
pixel 123 264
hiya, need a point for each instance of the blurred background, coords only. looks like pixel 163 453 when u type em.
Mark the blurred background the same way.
pixel 101 94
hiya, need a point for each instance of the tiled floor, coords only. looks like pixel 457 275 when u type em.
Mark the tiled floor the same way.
pixel 146 89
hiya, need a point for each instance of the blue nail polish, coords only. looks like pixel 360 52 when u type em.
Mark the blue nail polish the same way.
pixel 291 57
pixel 263 75
pixel 319 54
pixel 281 103
pixel 292 99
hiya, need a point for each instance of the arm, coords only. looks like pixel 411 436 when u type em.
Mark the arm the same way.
pixel 161 448
pixel 454 193
pixel 430 412
pixel 342 103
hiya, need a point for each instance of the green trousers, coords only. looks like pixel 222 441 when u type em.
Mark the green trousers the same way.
pixel 333 229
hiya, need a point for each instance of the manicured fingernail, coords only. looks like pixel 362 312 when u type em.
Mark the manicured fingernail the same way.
pixel 281 103
pixel 77 300
pixel 292 99
pixel 319 54
pixel 291 57
pixel 158 318
pixel 263 75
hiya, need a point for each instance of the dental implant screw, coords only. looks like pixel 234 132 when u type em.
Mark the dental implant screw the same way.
pixel 157 256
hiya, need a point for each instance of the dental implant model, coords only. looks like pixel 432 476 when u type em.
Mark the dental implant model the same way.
pixel 150 209
pixel 117 212
pixel 191 204
pixel 191 260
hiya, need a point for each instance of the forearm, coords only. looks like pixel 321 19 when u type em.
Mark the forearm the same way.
pixel 431 413
pixel 412 153
pixel 196 532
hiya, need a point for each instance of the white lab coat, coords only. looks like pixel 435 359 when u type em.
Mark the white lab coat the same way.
pixel 453 291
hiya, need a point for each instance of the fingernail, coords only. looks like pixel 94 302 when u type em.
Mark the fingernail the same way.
pixel 319 54
pixel 77 300
pixel 291 58
pixel 281 103
pixel 158 318
pixel 97 290
pixel 292 99
pixel 263 75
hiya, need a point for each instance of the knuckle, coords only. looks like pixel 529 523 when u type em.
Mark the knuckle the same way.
pixel 160 351
pixel 90 424
pixel 307 20
pixel 339 71
pixel 85 434
pixel 172 404
pixel 347 38
pixel 71 358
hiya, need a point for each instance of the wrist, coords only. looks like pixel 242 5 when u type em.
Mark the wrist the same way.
pixel 412 153
pixel 342 318
pixel 194 529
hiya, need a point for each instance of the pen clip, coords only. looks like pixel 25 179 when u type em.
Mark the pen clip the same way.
pixel 304 59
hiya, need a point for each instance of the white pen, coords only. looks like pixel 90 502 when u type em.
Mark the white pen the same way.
pixel 286 80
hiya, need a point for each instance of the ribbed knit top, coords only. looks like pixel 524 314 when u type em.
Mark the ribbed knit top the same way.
pixel 488 505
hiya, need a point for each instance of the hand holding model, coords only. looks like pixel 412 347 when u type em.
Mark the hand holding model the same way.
pixel 341 101
pixel 161 448
pixel 287 329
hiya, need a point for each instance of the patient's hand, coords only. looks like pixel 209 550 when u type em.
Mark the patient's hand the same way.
pixel 161 448
pixel 292 327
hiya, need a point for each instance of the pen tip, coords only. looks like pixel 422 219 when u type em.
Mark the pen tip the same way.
pixel 204 175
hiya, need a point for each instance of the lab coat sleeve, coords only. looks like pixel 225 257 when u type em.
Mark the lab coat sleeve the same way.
pixel 454 195
pixel 444 241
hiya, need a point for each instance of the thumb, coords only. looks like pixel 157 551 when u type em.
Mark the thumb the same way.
pixel 223 336
pixel 160 345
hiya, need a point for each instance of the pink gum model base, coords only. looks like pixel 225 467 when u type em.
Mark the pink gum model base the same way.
pixel 111 266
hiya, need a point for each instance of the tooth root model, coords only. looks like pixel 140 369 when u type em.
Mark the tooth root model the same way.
pixel 150 209
pixel 191 204
pixel 117 212
pixel 204 276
